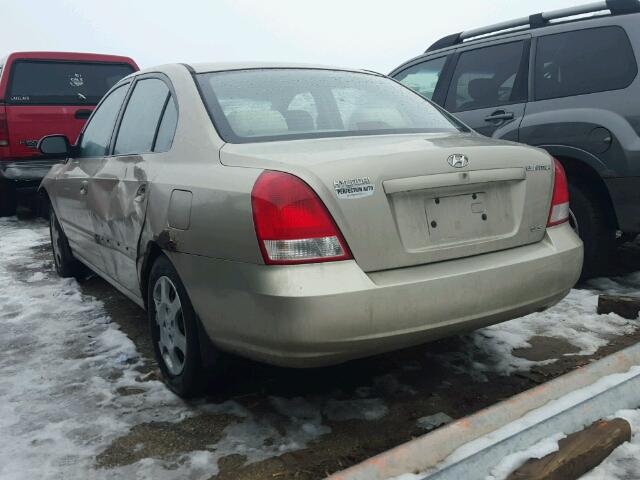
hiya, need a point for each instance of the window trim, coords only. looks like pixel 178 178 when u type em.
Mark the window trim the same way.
pixel 126 84
pixel 53 60
pixel 170 97
pixel 522 73
pixel 134 82
pixel 536 51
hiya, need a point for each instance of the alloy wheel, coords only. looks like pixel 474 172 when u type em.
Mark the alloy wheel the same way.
pixel 172 340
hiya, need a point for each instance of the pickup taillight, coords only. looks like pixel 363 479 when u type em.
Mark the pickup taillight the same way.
pixel 4 133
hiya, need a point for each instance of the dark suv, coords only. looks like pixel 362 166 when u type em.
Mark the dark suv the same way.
pixel 566 81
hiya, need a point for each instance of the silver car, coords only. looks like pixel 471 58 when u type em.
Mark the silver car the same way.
pixel 303 216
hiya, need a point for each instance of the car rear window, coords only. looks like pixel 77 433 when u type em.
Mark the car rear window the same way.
pixel 286 104
pixel 62 83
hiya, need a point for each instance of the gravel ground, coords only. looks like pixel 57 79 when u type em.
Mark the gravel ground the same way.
pixel 80 396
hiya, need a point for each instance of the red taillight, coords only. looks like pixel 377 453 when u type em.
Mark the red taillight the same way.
pixel 4 127
pixel 559 212
pixel 292 224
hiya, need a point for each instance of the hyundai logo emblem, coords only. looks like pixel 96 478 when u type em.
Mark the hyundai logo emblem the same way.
pixel 457 160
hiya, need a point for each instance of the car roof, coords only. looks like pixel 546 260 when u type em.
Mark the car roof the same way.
pixel 226 66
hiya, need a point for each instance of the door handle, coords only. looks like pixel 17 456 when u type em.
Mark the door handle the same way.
pixel 83 188
pixel 499 115
pixel 82 114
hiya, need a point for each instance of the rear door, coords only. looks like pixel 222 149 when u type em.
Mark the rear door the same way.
pixel 489 87
pixel 50 96
pixel 119 189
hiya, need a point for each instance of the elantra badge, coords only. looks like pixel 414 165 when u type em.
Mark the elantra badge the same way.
pixel 457 160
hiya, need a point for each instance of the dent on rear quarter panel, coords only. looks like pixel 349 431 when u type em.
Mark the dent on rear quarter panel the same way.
pixel 221 221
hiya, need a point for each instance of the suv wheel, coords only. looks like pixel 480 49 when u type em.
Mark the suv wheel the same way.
pixel 7 199
pixel 66 264
pixel 589 219
pixel 174 332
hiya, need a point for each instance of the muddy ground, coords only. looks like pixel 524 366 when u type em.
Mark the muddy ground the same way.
pixel 409 383
pixel 406 386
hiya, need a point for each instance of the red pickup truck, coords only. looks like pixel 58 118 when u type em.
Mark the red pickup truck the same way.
pixel 43 93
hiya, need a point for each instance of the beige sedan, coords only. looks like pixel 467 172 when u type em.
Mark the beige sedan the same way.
pixel 303 216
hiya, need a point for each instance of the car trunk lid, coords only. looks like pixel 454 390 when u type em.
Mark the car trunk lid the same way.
pixel 399 202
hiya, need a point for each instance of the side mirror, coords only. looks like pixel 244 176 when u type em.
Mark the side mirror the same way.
pixel 55 146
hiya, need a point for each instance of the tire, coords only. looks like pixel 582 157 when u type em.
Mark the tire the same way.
pixel 65 263
pixel 175 333
pixel 8 202
pixel 43 206
pixel 590 219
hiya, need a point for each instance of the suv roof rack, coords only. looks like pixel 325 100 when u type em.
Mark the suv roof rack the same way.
pixel 615 7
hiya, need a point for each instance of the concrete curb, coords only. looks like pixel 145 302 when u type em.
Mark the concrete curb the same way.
pixel 426 452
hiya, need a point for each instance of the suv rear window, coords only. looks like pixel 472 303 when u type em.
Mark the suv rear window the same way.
pixel 62 83
pixel 583 61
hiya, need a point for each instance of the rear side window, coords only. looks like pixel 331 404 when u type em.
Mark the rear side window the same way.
pixel 584 61
pixel 488 77
pixel 62 83
pixel 140 120
pixel 97 135
pixel 423 77
pixel 167 128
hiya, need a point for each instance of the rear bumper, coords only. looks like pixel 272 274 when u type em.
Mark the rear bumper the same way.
pixel 625 194
pixel 321 314
pixel 29 172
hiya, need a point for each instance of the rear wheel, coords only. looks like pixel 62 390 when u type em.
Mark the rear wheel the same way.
pixel 8 201
pixel 66 264
pixel 174 332
pixel 590 219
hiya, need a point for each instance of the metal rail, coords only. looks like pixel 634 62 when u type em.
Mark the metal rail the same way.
pixel 430 452
pixel 615 7
pixel 625 394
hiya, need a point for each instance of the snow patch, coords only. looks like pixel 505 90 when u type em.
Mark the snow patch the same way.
pixel 434 421
pixel 361 409
pixel 514 461
pixel 574 320
pixel 64 363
